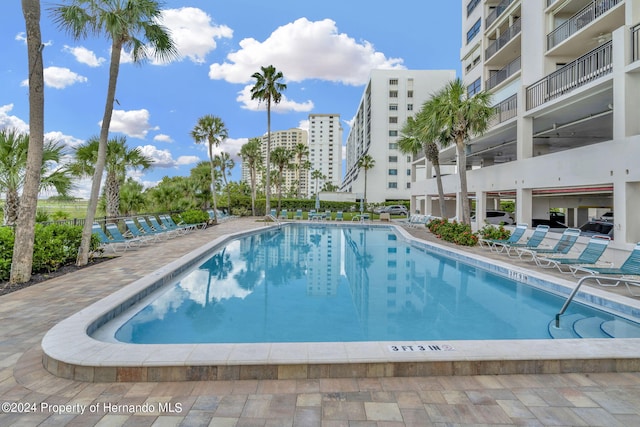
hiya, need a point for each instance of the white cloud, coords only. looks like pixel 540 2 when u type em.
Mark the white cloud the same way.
pixel 12 122
pixel 67 140
pixel 305 50
pixel 22 37
pixel 160 158
pixel 193 32
pixel 133 123
pixel 59 78
pixel 285 104
pixel 84 56
pixel 187 160
pixel 162 138
pixel 304 125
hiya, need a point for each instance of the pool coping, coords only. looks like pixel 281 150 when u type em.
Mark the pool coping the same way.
pixel 70 352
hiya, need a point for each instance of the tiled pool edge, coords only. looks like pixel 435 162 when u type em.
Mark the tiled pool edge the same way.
pixel 70 353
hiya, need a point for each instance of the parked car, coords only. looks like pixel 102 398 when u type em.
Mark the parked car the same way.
pixel 556 220
pixel 607 217
pixel 396 210
pixel 597 228
pixel 497 218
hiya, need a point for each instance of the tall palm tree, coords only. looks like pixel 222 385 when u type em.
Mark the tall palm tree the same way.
pixel 415 137
pixel 131 25
pixel 120 158
pixel 281 158
pixel 317 174
pixel 22 261
pixel 225 164
pixel 268 88
pixel 211 129
pixel 455 116
pixel 366 162
pixel 14 147
pixel 250 153
pixel 301 151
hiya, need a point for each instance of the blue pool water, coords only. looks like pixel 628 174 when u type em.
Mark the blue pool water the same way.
pixel 323 283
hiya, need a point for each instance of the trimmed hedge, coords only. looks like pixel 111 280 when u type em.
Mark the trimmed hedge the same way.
pixel 455 232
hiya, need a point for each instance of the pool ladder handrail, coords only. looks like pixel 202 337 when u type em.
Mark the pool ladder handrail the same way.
pixel 597 277
pixel 274 219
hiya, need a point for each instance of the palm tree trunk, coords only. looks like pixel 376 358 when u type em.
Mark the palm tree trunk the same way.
pixel 253 191
pixel 22 261
pixel 268 159
pixel 11 207
pixel 114 68
pixel 112 195
pixel 213 185
pixel 443 209
pixel 462 172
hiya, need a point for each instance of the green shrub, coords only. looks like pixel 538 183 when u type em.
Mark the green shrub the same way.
pixel 455 232
pixel 6 251
pixel 60 214
pixel 193 216
pixel 494 233
pixel 42 215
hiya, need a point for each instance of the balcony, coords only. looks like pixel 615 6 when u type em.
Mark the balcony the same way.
pixel 497 11
pixel 581 19
pixel 504 38
pixel 583 70
pixel 550 2
pixel 635 43
pixel 504 111
pixel 499 76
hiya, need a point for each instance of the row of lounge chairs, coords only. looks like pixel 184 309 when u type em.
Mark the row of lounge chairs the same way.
pixel 143 231
pixel 313 215
pixel 558 256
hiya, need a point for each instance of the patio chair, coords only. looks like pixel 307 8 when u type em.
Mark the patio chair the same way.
pixel 534 241
pixel 161 227
pixel 339 216
pixel 170 224
pixel 274 213
pixel 149 230
pixel 562 247
pixel 105 241
pixel 589 256
pixel 284 214
pixel 118 237
pixel 134 231
pixel 298 214
pixel 631 267
pixel 499 244
pixel 327 215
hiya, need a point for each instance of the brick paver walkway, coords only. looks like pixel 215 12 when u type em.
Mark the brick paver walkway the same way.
pixel 26 315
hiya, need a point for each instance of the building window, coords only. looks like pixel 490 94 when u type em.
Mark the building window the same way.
pixel 473 88
pixel 409 94
pixel 473 31
pixel 392 185
pixel 408 172
pixel 409 107
pixel 393 172
pixel 393 119
pixel 393 146
pixel 408 185
pixel 393 94
pixel 393 133
pixel 393 107
pixel 393 82
pixel 471 6
pixel 393 159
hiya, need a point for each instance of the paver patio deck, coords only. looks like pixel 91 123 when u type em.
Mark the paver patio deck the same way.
pixel 611 399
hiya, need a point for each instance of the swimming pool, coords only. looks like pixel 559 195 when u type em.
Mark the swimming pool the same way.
pixel 73 349
pixel 327 283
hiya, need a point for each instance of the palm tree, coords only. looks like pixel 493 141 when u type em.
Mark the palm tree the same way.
pixel 119 159
pixel 317 174
pixel 281 157
pixel 455 116
pixel 130 25
pixel 211 129
pixel 415 137
pixel 22 261
pixel 300 150
pixel 250 153
pixel 366 162
pixel 132 198
pixel 268 88
pixel 225 163
pixel 14 149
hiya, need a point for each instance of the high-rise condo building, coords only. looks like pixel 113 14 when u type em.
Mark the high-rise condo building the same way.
pixel 325 151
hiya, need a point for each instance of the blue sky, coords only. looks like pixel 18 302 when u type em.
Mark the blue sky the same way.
pixel 325 50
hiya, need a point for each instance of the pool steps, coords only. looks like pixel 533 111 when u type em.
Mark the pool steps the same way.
pixel 579 326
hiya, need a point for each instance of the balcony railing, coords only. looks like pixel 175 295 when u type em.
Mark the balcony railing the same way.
pixel 504 111
pixel 635 43
pixel 581 19
pixel 504 38
pixel 503 74
pixel 583 70
pixel 497 11
pixel 550 2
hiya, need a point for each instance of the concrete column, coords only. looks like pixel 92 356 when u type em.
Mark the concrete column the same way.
pixel 524 132
pixel 524 205
pixel 481 210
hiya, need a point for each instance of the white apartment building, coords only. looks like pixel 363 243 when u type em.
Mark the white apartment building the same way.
pixel 325 150
pixel 565 79
pixel 389 98
pixel 288 139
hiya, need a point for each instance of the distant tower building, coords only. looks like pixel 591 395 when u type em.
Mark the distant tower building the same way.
pixel 325 150
pixel 390 97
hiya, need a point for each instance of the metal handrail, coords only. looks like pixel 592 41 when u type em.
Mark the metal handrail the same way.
pixel 274 219
pixel 497 11
pixel 635 43
pixel 583 70
pixel 503 74
pixel 579 20
pixel 504 38
pixel 581 281
pixel 504 110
